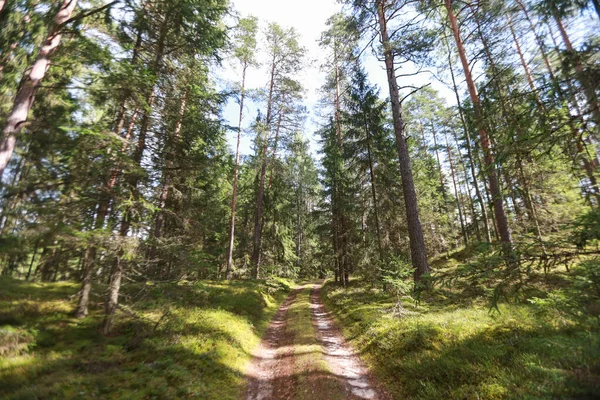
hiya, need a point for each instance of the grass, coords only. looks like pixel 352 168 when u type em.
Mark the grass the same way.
pixel 312 371
pixel 456 349
pixel 186 340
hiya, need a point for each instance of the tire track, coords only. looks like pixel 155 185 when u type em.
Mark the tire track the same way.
pixel 343 361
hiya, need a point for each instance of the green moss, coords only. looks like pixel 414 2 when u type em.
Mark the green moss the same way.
pixel 189 340
pixel 466 352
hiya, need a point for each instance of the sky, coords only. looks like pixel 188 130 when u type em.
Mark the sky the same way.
pixel 308 18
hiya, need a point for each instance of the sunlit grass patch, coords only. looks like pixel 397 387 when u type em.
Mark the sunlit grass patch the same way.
pixel 188 339
pixel 467 352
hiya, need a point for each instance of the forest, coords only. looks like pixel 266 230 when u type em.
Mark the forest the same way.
pixel 199 202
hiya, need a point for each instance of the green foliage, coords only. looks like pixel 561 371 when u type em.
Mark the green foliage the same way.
pixel 587 229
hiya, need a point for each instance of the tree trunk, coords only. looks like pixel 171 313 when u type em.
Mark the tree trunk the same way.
pixel 456 193
pixel 32 79
pixel 167 175
pixel 480 199
pixel 373 190
pixel 501 220
pixel 274 154
pixel 525 66
pixel 112 298
pixel 299 230
pixel 588 88
pixel 31 263
pixel 236 169
pixel 256 252
pixel 415 231
pixel 337 103
pixel 439 163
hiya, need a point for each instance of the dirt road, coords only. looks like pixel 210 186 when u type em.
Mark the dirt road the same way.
pixel 304 355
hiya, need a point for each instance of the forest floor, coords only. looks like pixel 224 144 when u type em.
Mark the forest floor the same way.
pixel 451 345
pixel 173 340
pixel 253 340
pixel 304 355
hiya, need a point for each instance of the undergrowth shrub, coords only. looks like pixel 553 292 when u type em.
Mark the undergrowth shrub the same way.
pixel 15 341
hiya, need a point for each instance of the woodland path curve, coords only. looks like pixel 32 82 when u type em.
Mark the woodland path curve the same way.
pixel 276 371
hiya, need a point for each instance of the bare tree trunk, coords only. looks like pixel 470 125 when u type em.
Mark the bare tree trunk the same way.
pixel 112 298
pixel 256 254
pixel 439 163
pixel 32 79
pixel 415 231
pixel 258 222
pixel 373 190
pixel 470 156
pixel 35 249
pixel 525 66
pixel 299 230
pixel 274 154
pixel 236 169
pixel 501 220
pixel 456 192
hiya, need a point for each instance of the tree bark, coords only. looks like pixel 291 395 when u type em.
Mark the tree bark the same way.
pixel 415 231
pixel 31 263
pixel 257 249
pixel 501 220
pixel 160 218
pixel 256 253
pixel 470 155
pixel 456 192
pixel 439 163
pixel 373 190
pixel 229 269
pixel 525 66
pixel 32 79
pixel 275 141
